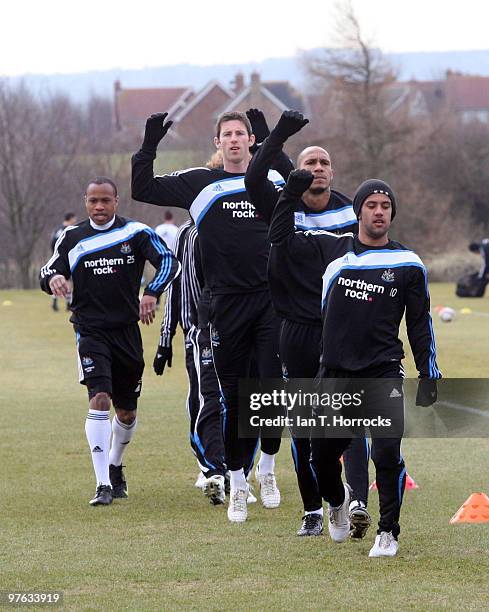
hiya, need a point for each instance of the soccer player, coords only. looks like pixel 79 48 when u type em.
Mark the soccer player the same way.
pixel 369 283
pixel 69 219
pixel 234 245
pixel 296 295
pixel 203 399
pixel 105 256
pixel 188 304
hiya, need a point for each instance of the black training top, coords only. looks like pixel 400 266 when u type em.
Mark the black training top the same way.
pixel 366 291
pixel 295 290
pixel 184 294
pixel 233 237
pixel 106 267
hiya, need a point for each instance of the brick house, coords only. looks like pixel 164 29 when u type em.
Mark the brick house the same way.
pixel 466 96
pixel 133 106
pixel 194 123
pixel 194 113
pixel 272 97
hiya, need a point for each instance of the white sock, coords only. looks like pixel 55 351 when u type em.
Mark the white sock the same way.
pixel 121 436
pixel 318 511
pixel 97 428
pixel 266 465
pixel 238 480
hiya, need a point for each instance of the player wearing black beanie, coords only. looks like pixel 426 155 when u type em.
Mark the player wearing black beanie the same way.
pixel 369 283
pixel 369 187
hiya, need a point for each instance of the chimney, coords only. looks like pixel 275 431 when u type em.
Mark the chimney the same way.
pixel 255 98
pixel 117 85
pixel 238 83
pixel 255 80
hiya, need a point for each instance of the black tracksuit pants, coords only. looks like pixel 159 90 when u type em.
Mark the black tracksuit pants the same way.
pixel 206 434
pixel 242 325
pixel 205 407
pixel 300 348
pixel 192 403
pixel 386 452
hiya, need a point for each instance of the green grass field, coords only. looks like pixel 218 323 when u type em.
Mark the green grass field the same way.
pixel 166 548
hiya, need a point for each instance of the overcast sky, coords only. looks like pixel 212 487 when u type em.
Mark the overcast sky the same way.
pixel 74 36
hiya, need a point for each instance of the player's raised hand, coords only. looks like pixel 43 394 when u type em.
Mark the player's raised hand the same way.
pixel 156 128
pixel 289 124
pixel 298 182
pixel 147 309
pixel 164 356
pixel 59 285
pixel 259 125
pixel 427 392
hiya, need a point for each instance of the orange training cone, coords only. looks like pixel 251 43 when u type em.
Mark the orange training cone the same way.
pixel 474 510
pixel 410 484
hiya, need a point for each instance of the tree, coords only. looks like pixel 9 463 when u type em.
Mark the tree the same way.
pixel 98 133
pixel 375 126
pixel 39 139
pixel 356 86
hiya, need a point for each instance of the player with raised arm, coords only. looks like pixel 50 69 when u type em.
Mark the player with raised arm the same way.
pixel 296 295
pixel 234 246
pixel 369 283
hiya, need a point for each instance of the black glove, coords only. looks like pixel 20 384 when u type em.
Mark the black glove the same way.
pixel 155 129
pixel 298 182
pixel 289 124
pixel 163 356
pixel 259 125
pixel 427 392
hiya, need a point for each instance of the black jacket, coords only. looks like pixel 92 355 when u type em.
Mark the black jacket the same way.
pixel 233 237
pixel 295 290
pixel 106 267
pixel 365 293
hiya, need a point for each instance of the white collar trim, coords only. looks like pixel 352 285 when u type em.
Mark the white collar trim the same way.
pixel 103 227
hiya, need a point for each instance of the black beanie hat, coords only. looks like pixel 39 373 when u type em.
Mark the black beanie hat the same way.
pixel 368 188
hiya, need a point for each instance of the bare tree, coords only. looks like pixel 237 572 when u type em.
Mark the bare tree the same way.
pixel 98 132
pixel 435 161
pixel 355 84
pixel 39 139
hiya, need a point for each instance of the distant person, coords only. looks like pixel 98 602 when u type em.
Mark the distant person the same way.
pixel 68 219
pixel 482 248
pixel 167 230
pixel 105 256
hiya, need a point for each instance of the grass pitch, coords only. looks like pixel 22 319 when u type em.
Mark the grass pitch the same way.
pixel 166 548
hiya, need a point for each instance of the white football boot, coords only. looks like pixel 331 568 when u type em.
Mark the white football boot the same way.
pixel 385 545
pixel 237 509
pixel 269 493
